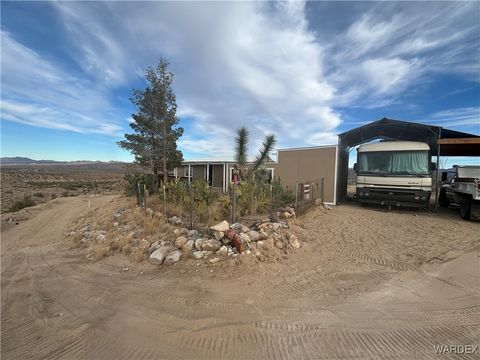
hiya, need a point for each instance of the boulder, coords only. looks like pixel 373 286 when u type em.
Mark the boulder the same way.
pixel 173 257
pixel 223 226
pixel 239 228
pixel 254 235
pixel 192 234
pixel 154 247
pixel 180 241
pixel 223 251
pixel 158 256
pixel 188 246
pixel 218 235
pixel 198 243
pixel 211 245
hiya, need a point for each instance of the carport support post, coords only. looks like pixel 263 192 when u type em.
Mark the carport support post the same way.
pixel 438 171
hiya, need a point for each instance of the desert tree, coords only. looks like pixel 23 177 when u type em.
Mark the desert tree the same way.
pixel 155 124
pixel 241 151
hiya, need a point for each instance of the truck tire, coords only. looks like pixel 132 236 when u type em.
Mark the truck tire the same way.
pixel 442 199
pixel 466 208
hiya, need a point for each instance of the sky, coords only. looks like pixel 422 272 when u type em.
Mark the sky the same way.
pixel 304 71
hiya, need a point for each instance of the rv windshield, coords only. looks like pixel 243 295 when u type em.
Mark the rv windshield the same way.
pixel 393 162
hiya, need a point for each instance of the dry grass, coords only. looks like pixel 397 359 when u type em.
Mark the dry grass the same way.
pixel 99 251
pixel 138 254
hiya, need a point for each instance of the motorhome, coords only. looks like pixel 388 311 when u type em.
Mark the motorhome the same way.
pixel 394 173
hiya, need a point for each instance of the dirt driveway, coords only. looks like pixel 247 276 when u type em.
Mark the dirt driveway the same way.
pixel 366 285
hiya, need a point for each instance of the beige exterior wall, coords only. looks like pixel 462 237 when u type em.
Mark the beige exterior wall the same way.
pixel 302 165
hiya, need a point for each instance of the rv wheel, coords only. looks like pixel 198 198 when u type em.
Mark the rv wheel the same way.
pixel 466 208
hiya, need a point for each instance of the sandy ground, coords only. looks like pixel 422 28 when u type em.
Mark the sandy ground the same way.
pixel 367 284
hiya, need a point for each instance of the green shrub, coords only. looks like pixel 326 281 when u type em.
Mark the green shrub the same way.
pixel 21 204
pixel 133 179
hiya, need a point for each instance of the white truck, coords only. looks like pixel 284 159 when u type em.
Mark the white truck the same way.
pixel 462 190
pixel 394 173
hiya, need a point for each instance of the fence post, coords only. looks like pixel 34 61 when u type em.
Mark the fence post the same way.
pixel 323 182
pixel 234 204
pixel 164 201
pixel 296 196
pixel 191 205
pixel 145 198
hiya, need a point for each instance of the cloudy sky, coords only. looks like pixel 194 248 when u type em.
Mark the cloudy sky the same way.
pixel 303 71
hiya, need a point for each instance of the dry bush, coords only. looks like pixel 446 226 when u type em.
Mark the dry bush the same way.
pixel 119 242
pixel 76 238
pixel 99 251
pixel 138 254
pixel 152 225
pixel 127 249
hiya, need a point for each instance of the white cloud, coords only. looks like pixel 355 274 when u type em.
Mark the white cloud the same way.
pixel 38 92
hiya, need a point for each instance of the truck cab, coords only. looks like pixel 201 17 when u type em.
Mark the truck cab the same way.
pixel 394 173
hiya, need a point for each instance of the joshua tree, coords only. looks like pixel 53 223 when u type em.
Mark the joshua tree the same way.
pixel 241 149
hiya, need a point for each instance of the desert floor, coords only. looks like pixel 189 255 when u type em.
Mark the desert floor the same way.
pixel 367 284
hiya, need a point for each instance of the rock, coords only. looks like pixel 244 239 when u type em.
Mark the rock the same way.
pixel 294 242
pixel 223 226
pixel 218 235
pixel 254 235
pixel 211 245
pixel 263 234
pixel 173 257
pixel 239 245
pixel 192 234
pixel 176 232
pixel 175 220
pixel 214 260
pixel 101 237
pixel 180 241
pixel 158 256
pixel 279 244
pixel 188 246
pixel 230 234
pixel 198 243
pixel 285 215
pixel 149 211
pixel 183 231
pixel 144 244
pixel 154 247
pixel 245 238
pixel 198 254
pixel 239 228
pixel 115 224
pixel 223 251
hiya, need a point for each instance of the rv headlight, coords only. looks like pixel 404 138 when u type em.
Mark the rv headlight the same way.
pixel 417 197
pixel 424 198
pixel 361 194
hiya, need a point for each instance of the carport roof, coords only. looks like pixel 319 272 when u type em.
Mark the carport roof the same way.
pixel 389 129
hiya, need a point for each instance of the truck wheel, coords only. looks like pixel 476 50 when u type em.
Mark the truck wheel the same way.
pixel 442 200
pixel 466 208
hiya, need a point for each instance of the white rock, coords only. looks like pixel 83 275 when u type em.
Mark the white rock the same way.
pixel 154 247
pixel 101 237
pixel 192 234
pixel 180 241
pixel 223 226
pixel 254 235
pixel 218 235
pixel 198 243
pixel 223 251
pixel 198 254
pixel 294 242
pixel 245 238
pixel 214 260
pixel 158 256
pixel 211 245
pixel 173 257
pixel 115 224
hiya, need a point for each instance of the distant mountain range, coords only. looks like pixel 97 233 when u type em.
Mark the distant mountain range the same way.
pixel 17 160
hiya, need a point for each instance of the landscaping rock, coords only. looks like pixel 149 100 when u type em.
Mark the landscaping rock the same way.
pixel 198 243
pixel 294 242
pixel 214 260
pixel 192 234
pixel 158 256
pixel 245 238
pixel 223 251
pixel 180 241
pixel 218 235
pixel 198 254
pixel 211 245
pixel 239 245
pixel 173 257
pixel 254 235
pixel 154 247
pixel 239 228
pixel 188 246
pixel 230 234
pixel 223 226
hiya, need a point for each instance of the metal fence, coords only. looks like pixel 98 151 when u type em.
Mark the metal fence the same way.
pixel 308 194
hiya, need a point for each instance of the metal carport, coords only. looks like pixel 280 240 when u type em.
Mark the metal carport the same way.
pixel 388 129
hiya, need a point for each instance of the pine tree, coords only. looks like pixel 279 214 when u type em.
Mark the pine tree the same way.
pixel 156 130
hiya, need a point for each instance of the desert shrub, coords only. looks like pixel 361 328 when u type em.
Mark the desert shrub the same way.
pixel 65 194
pixel 133 179
pixel 21 204
pixel 99 251
pixel 177 193
pixel 39 194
